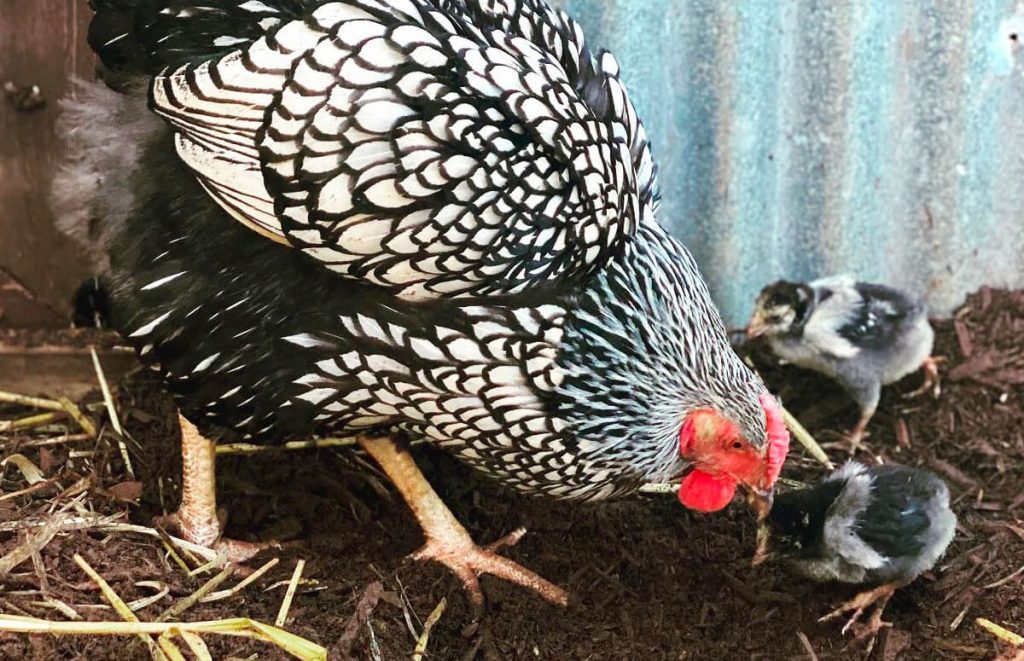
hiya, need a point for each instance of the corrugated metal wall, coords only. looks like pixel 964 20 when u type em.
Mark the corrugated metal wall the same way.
pixel 884 138
pixel 795 137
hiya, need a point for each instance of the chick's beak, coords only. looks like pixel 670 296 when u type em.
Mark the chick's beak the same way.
pixel 757 327
pixel 760 500
pixel 761 552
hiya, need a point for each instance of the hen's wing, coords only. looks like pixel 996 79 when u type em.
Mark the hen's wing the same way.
pixel 432 147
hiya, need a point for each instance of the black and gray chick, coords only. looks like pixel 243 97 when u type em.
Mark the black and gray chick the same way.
pixel 862 335
pixel 880 525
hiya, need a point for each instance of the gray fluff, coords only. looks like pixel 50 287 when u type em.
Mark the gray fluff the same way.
pixel 104 134
pixel 879 524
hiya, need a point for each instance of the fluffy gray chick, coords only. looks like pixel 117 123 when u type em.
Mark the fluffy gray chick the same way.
pixel 881 525
pixel 862 335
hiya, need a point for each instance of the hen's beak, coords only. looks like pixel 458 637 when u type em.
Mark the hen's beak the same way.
pixel 761 552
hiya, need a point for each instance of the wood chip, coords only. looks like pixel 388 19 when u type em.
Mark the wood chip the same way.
pixel 903 434
pixel 963 337
pixel 126 492
pixel 952 472
pixel 364 609
pixel 807 645
pixel 896 642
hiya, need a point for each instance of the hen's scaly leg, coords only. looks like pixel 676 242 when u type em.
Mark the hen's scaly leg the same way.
pixel 447 542
pixel 930 367
pixel 878 598
pixel 196 518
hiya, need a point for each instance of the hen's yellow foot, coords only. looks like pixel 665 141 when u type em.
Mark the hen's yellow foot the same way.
pixel 447 542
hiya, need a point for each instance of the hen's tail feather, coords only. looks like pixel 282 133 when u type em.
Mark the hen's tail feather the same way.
pixel 146 36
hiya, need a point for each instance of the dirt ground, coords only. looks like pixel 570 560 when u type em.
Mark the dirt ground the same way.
pixel 648 579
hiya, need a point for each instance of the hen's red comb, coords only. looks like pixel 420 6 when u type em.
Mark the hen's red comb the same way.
pixel 778 436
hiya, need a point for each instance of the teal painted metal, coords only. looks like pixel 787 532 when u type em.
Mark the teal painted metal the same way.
pixel 883 138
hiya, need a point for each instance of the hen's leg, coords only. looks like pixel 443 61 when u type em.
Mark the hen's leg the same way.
pixel 447 542
pixel 930 367
pixel 878 598
pixel 196 518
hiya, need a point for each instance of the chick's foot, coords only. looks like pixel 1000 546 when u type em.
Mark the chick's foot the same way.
pixel 932 381
pixel 859 431
pixel 877 599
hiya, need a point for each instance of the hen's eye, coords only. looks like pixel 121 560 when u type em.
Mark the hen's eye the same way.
pixel 737 445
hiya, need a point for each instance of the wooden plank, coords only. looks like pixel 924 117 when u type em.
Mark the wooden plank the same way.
pixel 20 309
pixel 42 42
pixel 59 371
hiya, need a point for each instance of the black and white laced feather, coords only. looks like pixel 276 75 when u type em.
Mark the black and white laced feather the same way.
pixel 433 148
pixel 477 196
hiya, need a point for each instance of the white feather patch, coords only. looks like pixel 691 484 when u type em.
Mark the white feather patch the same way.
pixel 831 314
pixel 148 328
pixel 839 533
pixel 163 281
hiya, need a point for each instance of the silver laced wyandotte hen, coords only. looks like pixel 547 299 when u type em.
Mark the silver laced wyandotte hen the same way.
pixel 880 525
pixel 862 335
pixel 406 219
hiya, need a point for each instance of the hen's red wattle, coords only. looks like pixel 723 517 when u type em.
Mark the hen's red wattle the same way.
pixel 705 492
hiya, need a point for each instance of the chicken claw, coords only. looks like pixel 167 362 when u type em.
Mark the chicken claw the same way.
pixel 932 382
pixel 460 554
pixel 197 519
pixel 209 535
pixel 447 542
pixel 877 598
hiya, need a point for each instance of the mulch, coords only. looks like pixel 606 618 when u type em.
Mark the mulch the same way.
pixel 648 579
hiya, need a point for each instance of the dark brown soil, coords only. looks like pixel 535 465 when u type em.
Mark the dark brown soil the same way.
pixel 648 579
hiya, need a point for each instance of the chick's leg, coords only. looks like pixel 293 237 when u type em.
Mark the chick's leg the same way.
pixel 857 434
pixel 930 367
pixel 878 598
pixel 866 394
pixel 447 542
pixel 196 518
